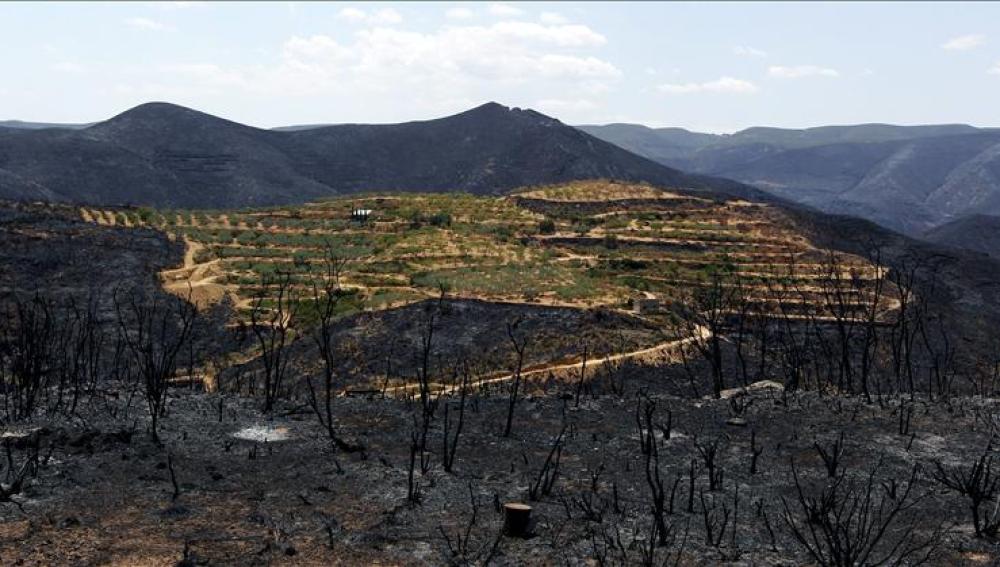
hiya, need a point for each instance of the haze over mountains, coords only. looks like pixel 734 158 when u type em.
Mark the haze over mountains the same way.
pixel 169 156
pixel 21 124
pixel 908 178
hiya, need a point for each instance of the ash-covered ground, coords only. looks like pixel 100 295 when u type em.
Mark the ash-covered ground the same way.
pixel 227 485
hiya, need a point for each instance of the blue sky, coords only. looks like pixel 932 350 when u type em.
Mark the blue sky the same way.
pixel 707 66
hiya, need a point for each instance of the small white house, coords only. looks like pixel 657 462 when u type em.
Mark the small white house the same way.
pixel 361 215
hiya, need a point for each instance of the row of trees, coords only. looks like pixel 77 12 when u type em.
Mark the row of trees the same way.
pixel 56 354
pixel 836 329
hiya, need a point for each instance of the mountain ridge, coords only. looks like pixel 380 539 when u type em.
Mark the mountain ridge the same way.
pixel 166 155
pixel 907 178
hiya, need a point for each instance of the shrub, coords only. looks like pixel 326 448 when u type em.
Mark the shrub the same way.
pixel 440 219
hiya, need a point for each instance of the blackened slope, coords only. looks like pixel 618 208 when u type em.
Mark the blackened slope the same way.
pixel 155 154
pixel 169 156
pixel 980 233
pixel 199 160
pixel 488 149
pixel 50 250
pixel 961 287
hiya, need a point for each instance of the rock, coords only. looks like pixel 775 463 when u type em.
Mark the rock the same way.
pixel 26 439
pixel 69 522
pixel 175 511
pixel 755 387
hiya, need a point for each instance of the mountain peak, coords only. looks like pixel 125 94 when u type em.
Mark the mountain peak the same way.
pixel 161 114
pixel 155 109
pixel 494 112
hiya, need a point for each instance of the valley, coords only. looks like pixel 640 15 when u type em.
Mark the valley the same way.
pixel 499 284
pixel 906 178
pixel 227 345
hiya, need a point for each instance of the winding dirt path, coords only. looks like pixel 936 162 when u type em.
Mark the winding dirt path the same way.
pixel 664 347
pixel 197 282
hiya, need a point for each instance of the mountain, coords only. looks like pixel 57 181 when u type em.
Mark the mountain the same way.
pixel 910 186
pixel 974 232
pixel 19 124
pixel 169 156
pixel 659 144
pixel 908 178
pixel 783 138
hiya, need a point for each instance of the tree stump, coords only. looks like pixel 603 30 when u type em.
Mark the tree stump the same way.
pixel 516 518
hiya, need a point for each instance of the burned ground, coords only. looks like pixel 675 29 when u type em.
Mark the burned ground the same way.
pixel 730 445
pixel 49 249
pixel 106 497
pixel 382 348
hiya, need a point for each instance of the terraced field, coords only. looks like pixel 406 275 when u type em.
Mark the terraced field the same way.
pixel 585 244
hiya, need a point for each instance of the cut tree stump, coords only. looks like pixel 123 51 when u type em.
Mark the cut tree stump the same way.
pixel 516 519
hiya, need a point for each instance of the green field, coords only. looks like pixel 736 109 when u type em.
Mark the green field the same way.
pixel 582 244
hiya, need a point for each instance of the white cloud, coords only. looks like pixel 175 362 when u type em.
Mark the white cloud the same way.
pixel 552 65
pixel 385 16
pixel 454 59
pixel 570 35
pixel 721 85
pixel 964 42
pixel 552 18
pixel 205 74
pixel 146 24
pixel 801 71
pixel 505 10
pixel 557 106
pixel 747 51
pixel 596 86
pixel 994 70
pixel 352 15
pixel 459 14
pixel 439 71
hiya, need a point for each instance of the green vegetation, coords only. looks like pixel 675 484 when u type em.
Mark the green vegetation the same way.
pixel 585 243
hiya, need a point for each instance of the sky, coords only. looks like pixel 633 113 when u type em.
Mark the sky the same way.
pixel 714 67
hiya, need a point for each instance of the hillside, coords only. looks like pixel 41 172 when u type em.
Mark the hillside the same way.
pixel 607 244
pixel 613 327
pixel 628 135
pixel 974 232
pixel 582 245
pixel 164 155
pixel 908 178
